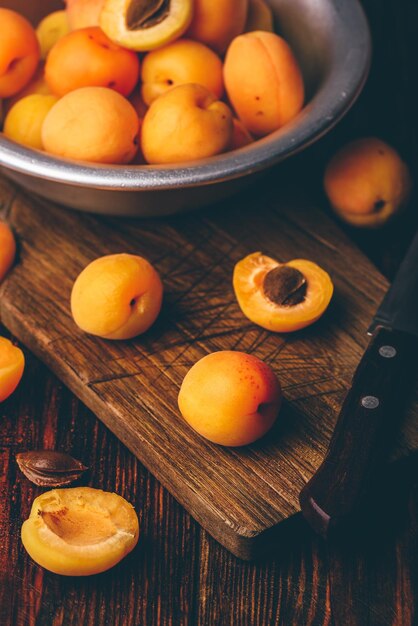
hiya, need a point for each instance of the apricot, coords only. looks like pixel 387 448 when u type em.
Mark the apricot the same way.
pixel 80 531
pixel 12 364
pixel 216 22
pixel 367 183
pixel 19 52
pixel 92 124
pixel 231 398
pixel 260 16
pixel 50 30
pixel 83 13
pixel 240 135
pixel 37 84
pixel 178 63
pixel 282 297
pixel 145 24
pixel 117 297
pixel 263 81
pixel 25 119
pixel 185 123
pixel 7 249
pixel 87 58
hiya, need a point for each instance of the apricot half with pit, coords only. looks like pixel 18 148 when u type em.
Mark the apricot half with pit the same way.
pixel 282 297
pixel 80 531
pixel 12 364
pixel 145 24
pixel 117 296
pixel 230 397
pixel 367 182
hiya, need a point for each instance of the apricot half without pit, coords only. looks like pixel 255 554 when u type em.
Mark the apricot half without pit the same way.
pixel 282 297
pixel 80 531
pixel 12 364
pixel 145 24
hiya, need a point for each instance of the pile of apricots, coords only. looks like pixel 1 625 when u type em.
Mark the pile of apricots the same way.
pixel 112 82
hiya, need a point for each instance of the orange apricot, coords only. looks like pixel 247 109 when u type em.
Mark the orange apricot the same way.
pixel 7 249
pixel 216 22
pixel 240 135
pixel 80 531
pixel 367 183
pixel 25 119
pixel 231 398
pixel 183 61
pixel 37 84
pixel 83 13
pixel 185 123
pixel 88 58
pixel 260 17
pixel 117 297
pixel 263 81
pixel 12 364
pixel 50 30
pixel 19 52
pixel 282 297
pixel 92 124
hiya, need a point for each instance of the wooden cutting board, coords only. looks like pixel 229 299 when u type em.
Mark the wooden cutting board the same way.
pixel 241 496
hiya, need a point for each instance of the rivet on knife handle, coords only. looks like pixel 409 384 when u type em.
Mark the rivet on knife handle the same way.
pixel 369 418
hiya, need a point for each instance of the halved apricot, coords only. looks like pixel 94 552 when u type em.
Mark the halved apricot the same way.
pixel 281 297
pixel 12 364
pixel 7 249
pixel 80 531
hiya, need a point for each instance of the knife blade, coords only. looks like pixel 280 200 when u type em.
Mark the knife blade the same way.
pixel 372 409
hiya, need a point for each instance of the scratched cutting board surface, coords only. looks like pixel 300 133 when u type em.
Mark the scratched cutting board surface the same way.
pixel 238 495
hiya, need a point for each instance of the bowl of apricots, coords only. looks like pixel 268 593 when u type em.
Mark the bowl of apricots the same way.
pixel 152 107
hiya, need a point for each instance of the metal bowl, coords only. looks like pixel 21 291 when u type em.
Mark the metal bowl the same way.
pixel 332 43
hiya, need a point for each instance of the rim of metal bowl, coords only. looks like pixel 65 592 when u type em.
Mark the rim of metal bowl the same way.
pixel 338 91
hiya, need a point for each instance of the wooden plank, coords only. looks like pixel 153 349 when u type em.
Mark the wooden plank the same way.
pixel 238 495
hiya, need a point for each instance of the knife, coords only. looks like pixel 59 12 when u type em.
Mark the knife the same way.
pixel 372 409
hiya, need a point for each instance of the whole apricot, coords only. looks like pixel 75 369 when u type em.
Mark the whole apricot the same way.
pixel 260 16
pixel 87 58
pixel 92 124
pixel 281 297
pixel 7 249
pixel 80 531
pixel 186 123
pixel 144 25
pixel 12 364
pixel 25 119
pixel 117 297
pixel 367 182
pixel 231 398
pixel 50 30
pixel 19 52
pixel 216 22
pixel 240 135
pixel 83 13
pixel 37 84
pixel 178 63
pixel 263 81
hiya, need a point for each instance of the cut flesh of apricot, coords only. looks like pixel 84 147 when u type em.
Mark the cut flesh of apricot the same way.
pixel 282 297
pixel 12 364
pixel 80 531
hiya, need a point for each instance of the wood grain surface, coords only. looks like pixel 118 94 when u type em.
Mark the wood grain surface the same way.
pixel 236 494
pixel 179 575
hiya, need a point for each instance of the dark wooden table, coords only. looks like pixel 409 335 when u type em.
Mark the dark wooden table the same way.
pixel 179 575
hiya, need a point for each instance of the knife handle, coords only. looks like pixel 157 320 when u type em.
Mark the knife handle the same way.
pixel 364 431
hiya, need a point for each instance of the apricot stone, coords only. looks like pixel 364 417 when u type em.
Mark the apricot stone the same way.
pixel 12 364
pixel 216 22
pixel 178 63
pixel 117 297
pixel 263 81
pixel 92 124
pixel 231 398
pixel 80 531
pixel 184 124
pixel 260 17
pixel 83 13
pixel 367 183
pixel 50 30
pixel 19 52
pixel 7 249
pixel 88 58
pixel 25 119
